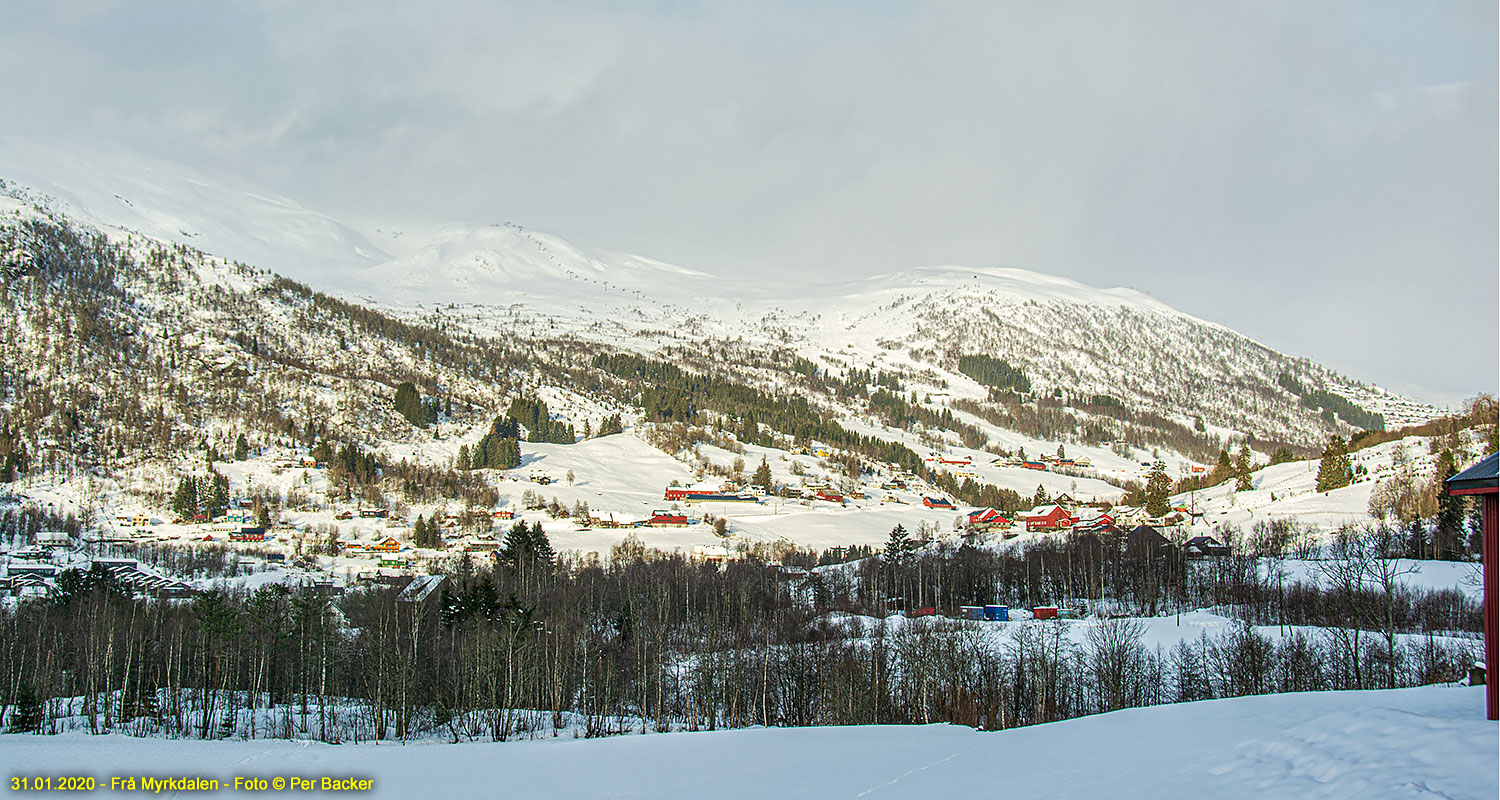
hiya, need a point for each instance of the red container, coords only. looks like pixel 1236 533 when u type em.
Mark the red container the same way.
pixel 1044 612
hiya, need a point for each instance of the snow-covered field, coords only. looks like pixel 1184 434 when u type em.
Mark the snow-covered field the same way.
pixel 1425 742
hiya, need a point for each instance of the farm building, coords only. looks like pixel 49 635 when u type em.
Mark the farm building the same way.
pixel 984 519
pixel 248 535
pixel 1049 518
pixel 938 502
pixel 667 519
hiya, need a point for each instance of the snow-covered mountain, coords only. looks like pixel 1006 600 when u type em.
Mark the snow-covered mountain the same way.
pixel 1085 350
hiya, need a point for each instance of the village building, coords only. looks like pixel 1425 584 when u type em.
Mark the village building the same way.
pixel 1051 517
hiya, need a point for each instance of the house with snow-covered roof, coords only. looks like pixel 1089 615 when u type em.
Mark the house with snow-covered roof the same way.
pixel 1051 517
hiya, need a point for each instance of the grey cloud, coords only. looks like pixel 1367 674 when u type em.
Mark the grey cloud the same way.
pixel 1319 176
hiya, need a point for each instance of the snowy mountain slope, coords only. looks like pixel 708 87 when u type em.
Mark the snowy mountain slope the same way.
pixel 219 215
pixel 1169 372
pixel 1430 741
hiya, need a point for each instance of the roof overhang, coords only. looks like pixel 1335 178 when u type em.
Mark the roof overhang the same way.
pixel 1482 478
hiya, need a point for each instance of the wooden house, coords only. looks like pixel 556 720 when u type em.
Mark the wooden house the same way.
pixel 388 545
pixel 1050 517
pixel 1205 546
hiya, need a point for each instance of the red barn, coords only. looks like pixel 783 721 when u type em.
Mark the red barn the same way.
pixel 675 493
pixel 983 516
pixel 1049 518
pixel 667 519
pixel 938 502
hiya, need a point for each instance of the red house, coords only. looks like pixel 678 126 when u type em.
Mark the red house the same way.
pixel 667 519
pixel 983 516
pixel 675 493
pixel 1049 518
pixel 1483 479
pixel 938 502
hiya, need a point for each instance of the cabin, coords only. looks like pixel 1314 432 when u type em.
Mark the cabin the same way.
pixel 713 554
pixel 785 573
pixel 1051 517
pixel 52 538
pixel 1144 540
pixel 373 513
pixel 502 513
pixel 36 570
pixel 1205 547
pixel 1066 501
pixel 248 535
pixel 831 497
pixel 389 545
pixel 1094 524
pixel 939 502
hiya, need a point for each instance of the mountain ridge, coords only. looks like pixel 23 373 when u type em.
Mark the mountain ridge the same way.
pixel 1077 342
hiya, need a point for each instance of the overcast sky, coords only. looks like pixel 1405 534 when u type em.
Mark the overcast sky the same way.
pixel 1319 175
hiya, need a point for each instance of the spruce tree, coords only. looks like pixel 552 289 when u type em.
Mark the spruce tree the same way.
pixel 763 474
pixel 1333 470
pixel 899 547
pixel 1242 467
pixel 185 500
pixel 408 403
pixel 541 547
pixel 1447 533
pixel 26 716
pixel 1158 490
pixel 241 448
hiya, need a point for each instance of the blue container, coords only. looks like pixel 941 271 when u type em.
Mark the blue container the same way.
pixel 997 613
pixel 972 612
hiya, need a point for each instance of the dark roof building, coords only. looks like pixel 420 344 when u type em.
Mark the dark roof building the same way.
pixel 1483 480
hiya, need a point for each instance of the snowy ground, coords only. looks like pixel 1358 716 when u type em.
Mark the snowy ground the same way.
pixel 1424 742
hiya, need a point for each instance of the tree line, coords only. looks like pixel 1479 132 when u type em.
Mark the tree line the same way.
pixel 531 643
